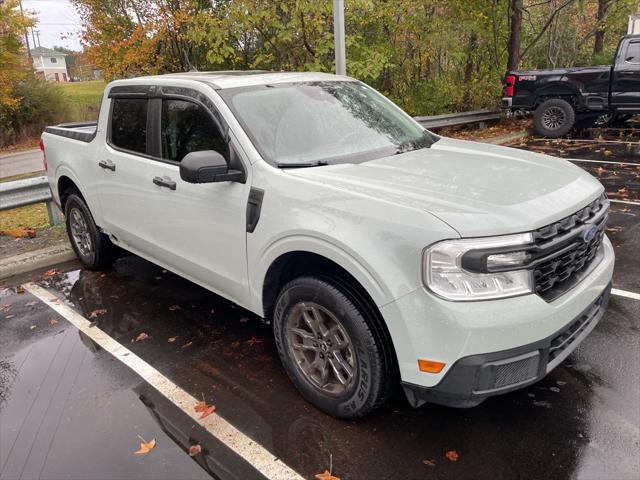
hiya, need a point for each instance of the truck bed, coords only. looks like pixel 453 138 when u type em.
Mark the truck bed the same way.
pixel 82 131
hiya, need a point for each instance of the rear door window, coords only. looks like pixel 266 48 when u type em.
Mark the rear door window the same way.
pixel 188 127
pixel 129 124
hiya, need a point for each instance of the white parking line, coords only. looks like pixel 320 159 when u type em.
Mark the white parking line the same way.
pixel 252 452
pixel 604 161
pixel 624 293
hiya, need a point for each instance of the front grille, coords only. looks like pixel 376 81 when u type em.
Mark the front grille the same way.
pixel 565 251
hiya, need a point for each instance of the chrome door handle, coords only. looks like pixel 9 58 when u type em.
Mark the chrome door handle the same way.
pixel 165 182
pixel 107 165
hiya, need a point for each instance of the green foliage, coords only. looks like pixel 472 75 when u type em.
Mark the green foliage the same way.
pixel 40 104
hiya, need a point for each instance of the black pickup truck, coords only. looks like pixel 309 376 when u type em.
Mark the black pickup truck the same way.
pixel 566 98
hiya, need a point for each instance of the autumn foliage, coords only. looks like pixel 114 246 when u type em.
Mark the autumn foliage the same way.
pixel 431 56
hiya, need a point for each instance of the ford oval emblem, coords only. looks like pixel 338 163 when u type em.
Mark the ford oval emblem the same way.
pixel 590 233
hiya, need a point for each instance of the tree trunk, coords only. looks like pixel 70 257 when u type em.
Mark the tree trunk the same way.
pixel 515 31
pixel 468 69
pixel 598 44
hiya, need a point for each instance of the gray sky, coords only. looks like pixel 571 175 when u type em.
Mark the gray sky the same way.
pixel 56 18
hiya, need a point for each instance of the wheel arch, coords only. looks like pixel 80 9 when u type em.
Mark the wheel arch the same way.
pixel 293 264
pixel 560 90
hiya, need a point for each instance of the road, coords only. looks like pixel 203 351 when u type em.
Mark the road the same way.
pixel 21 162
pixel 108 383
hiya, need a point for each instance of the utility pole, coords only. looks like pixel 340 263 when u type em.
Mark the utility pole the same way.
pixel 33 37
pixel 26 38
pixel 38 35
pixel 338 35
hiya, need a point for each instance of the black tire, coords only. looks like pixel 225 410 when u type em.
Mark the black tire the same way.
pixel 554 118
pixel 93 248
pixel 372 376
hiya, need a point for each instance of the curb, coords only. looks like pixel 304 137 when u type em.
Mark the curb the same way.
pixel 35 259
pixel 501 140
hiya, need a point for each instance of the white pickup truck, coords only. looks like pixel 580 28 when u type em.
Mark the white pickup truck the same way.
pixel 377 250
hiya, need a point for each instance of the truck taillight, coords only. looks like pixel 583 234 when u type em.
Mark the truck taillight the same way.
pixel 509 82
pixel 44 156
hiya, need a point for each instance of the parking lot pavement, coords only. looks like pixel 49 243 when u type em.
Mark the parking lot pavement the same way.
pixel 582 421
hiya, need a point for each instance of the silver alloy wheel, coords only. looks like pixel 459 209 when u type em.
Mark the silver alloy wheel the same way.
pixel 80 232
pixel 554 118
pixel 321 348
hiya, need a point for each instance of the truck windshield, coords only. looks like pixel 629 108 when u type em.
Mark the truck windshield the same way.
pixel 319 123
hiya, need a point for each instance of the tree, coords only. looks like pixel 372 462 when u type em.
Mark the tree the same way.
pixel 13 58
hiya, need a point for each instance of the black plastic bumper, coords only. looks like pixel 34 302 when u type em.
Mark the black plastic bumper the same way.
pixel 472 379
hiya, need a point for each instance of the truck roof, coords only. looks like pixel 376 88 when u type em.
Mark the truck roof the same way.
pixel 238 78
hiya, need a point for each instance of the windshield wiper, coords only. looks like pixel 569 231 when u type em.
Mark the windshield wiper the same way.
pixel 318 163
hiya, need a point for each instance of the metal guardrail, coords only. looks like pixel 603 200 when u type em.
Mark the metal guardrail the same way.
pixel 462 118
pixel 20 193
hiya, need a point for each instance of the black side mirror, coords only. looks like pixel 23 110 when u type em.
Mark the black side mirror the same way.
pixel 208 166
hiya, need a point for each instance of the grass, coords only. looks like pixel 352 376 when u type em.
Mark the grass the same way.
pixel 31 216
pixel 84 98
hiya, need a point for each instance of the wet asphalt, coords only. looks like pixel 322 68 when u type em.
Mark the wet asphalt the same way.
pixel 70 410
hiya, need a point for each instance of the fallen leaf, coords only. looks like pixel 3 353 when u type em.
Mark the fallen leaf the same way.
pixel 31 304
pixel 326 475
pixel 253 341
pixel 53 321
pixel 145 447
pixel 244 319
pixel 5 307
pixel 20 289
pixel 194 450
pixel 19 232
pixel 204 409
pixel 172 339
pixel 142 337
pixel 9 316
pixel 431 463
pixel 452 455
pixel 98 312
pixel 173 308
pixel 209 410
pixel 188 344
pixel 125 354
pixel 607 153
pixel 33 327
pixel 51 273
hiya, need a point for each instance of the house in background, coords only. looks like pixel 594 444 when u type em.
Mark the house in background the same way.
pixel 49 64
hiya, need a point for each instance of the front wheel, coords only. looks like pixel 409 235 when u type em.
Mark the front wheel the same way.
pixel 554 118
pixel 93 248
pixel 329 349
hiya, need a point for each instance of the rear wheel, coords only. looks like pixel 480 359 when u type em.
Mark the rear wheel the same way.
pixel 329 349
pixel 554 118
pixel 93 248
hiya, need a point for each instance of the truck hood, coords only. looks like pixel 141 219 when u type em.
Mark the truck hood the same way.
pixel 478 189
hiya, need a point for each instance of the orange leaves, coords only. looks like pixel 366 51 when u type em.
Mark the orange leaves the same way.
pixel 326 475
pixel 145 447
pixel 431 463
pixel 52 272
pixel 19 232
pixel 141 337
pixel 204 409
pixel 195 450
pixel 172 339
pixel 253 341
pixel 452 456
pixel 97 313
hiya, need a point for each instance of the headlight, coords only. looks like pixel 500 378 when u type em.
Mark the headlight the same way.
pixel 479 268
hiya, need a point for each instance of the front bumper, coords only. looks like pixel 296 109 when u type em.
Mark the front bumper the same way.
pixel 474 378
